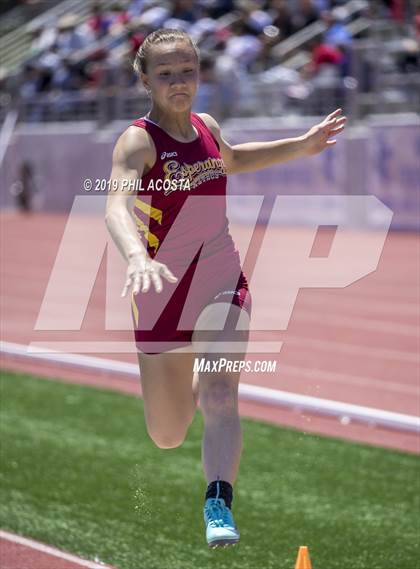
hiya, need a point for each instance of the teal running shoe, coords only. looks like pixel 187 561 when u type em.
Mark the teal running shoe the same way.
pixel 220 527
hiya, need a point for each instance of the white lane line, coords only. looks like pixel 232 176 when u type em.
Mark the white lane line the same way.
pixel 353 349
pixel 333 408
pixel 247 392
pixel 50 550
pixel 256 346
pixel 321 375
pixel 120 347
pixel 92 362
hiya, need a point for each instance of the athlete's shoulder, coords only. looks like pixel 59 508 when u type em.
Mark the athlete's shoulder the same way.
pixel 134 138
pixel 225 148
pixel 210 122
pixel 134 141
pixel 213 127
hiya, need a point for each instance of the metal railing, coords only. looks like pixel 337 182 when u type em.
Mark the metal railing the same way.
pixel 259 99
pixel 394 93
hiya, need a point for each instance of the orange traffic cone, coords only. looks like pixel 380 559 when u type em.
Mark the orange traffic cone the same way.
pixel 303 560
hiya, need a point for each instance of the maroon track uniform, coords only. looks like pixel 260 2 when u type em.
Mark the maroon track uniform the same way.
pixel 180 212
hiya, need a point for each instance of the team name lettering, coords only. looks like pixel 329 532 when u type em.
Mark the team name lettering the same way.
pixel 197 173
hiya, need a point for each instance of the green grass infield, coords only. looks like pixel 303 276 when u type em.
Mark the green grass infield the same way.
pixel 78 471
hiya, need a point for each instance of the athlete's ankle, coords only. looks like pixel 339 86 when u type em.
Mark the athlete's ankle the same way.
pixel 220 489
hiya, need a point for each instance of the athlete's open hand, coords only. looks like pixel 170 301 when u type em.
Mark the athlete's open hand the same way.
pixel 142 271
pixel 321 136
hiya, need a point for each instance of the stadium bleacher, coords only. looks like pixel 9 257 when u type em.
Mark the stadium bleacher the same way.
pixel 72 61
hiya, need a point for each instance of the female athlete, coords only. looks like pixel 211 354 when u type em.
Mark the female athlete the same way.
pixel 189 296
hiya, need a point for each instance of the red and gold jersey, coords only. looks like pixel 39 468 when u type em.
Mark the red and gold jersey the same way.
pixel 181 202
pixel 180 212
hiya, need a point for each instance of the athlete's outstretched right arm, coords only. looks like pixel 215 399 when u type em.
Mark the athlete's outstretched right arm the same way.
pixel 131 153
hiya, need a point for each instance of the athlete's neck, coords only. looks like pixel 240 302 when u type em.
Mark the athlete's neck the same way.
pixel 177 125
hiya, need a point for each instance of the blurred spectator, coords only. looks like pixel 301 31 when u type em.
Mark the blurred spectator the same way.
pixel 50 59
pixel 417 21
pixel 243 46
pixel 269 38
pixel 42 38
pixel 135 8
pixel 306 13
pixel 135 36
pixel 116 18
pixel 217 8
pixel 258 20
pixel 336 33
pixel 203 29
pixel 24 188
pixel 124 74
pixel 229 77
pixel 35 79
pixel 241 40
pixel 282 17
pixel 67 77
pixel 208 90
pixel 97 22
pixel 30 81
pixel 187 10
pixel 154 17
pixel 324 53
pixel 72 36
pixel 395 9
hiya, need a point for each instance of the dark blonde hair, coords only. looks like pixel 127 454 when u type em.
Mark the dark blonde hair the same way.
pixel 163 35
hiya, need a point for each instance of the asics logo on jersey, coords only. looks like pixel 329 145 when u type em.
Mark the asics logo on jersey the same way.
pixel 168 155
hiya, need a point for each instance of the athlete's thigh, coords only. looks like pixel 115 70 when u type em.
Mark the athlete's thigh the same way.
pixel 222 328
pixel 223 350
pixel 166 381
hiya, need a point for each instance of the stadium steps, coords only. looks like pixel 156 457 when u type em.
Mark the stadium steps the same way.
pixel 19 15
pixel 15 45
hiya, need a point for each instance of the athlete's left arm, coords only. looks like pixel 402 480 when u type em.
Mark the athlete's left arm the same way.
pixel 251 156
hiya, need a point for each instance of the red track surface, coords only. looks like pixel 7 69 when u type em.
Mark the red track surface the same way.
pixel 21 553
pixel 358 344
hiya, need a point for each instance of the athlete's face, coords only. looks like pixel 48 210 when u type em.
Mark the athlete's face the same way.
pixel 172 75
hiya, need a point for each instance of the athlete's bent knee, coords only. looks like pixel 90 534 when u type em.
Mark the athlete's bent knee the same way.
pixel 166 440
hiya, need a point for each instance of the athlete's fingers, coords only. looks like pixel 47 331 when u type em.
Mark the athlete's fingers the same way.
pixel 126 287
pixel 331 142
pixel 137 283
pixel 330 123
pixel 169 276
pixel 146 282
pixel 336 123
pixel 334 114
pixel 336 130
pixel 157 281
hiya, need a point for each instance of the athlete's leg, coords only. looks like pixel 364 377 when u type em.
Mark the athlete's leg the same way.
pixel 218 391
pixel 168 394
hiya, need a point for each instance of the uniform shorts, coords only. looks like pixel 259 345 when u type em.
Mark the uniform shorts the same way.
pixel 166 320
